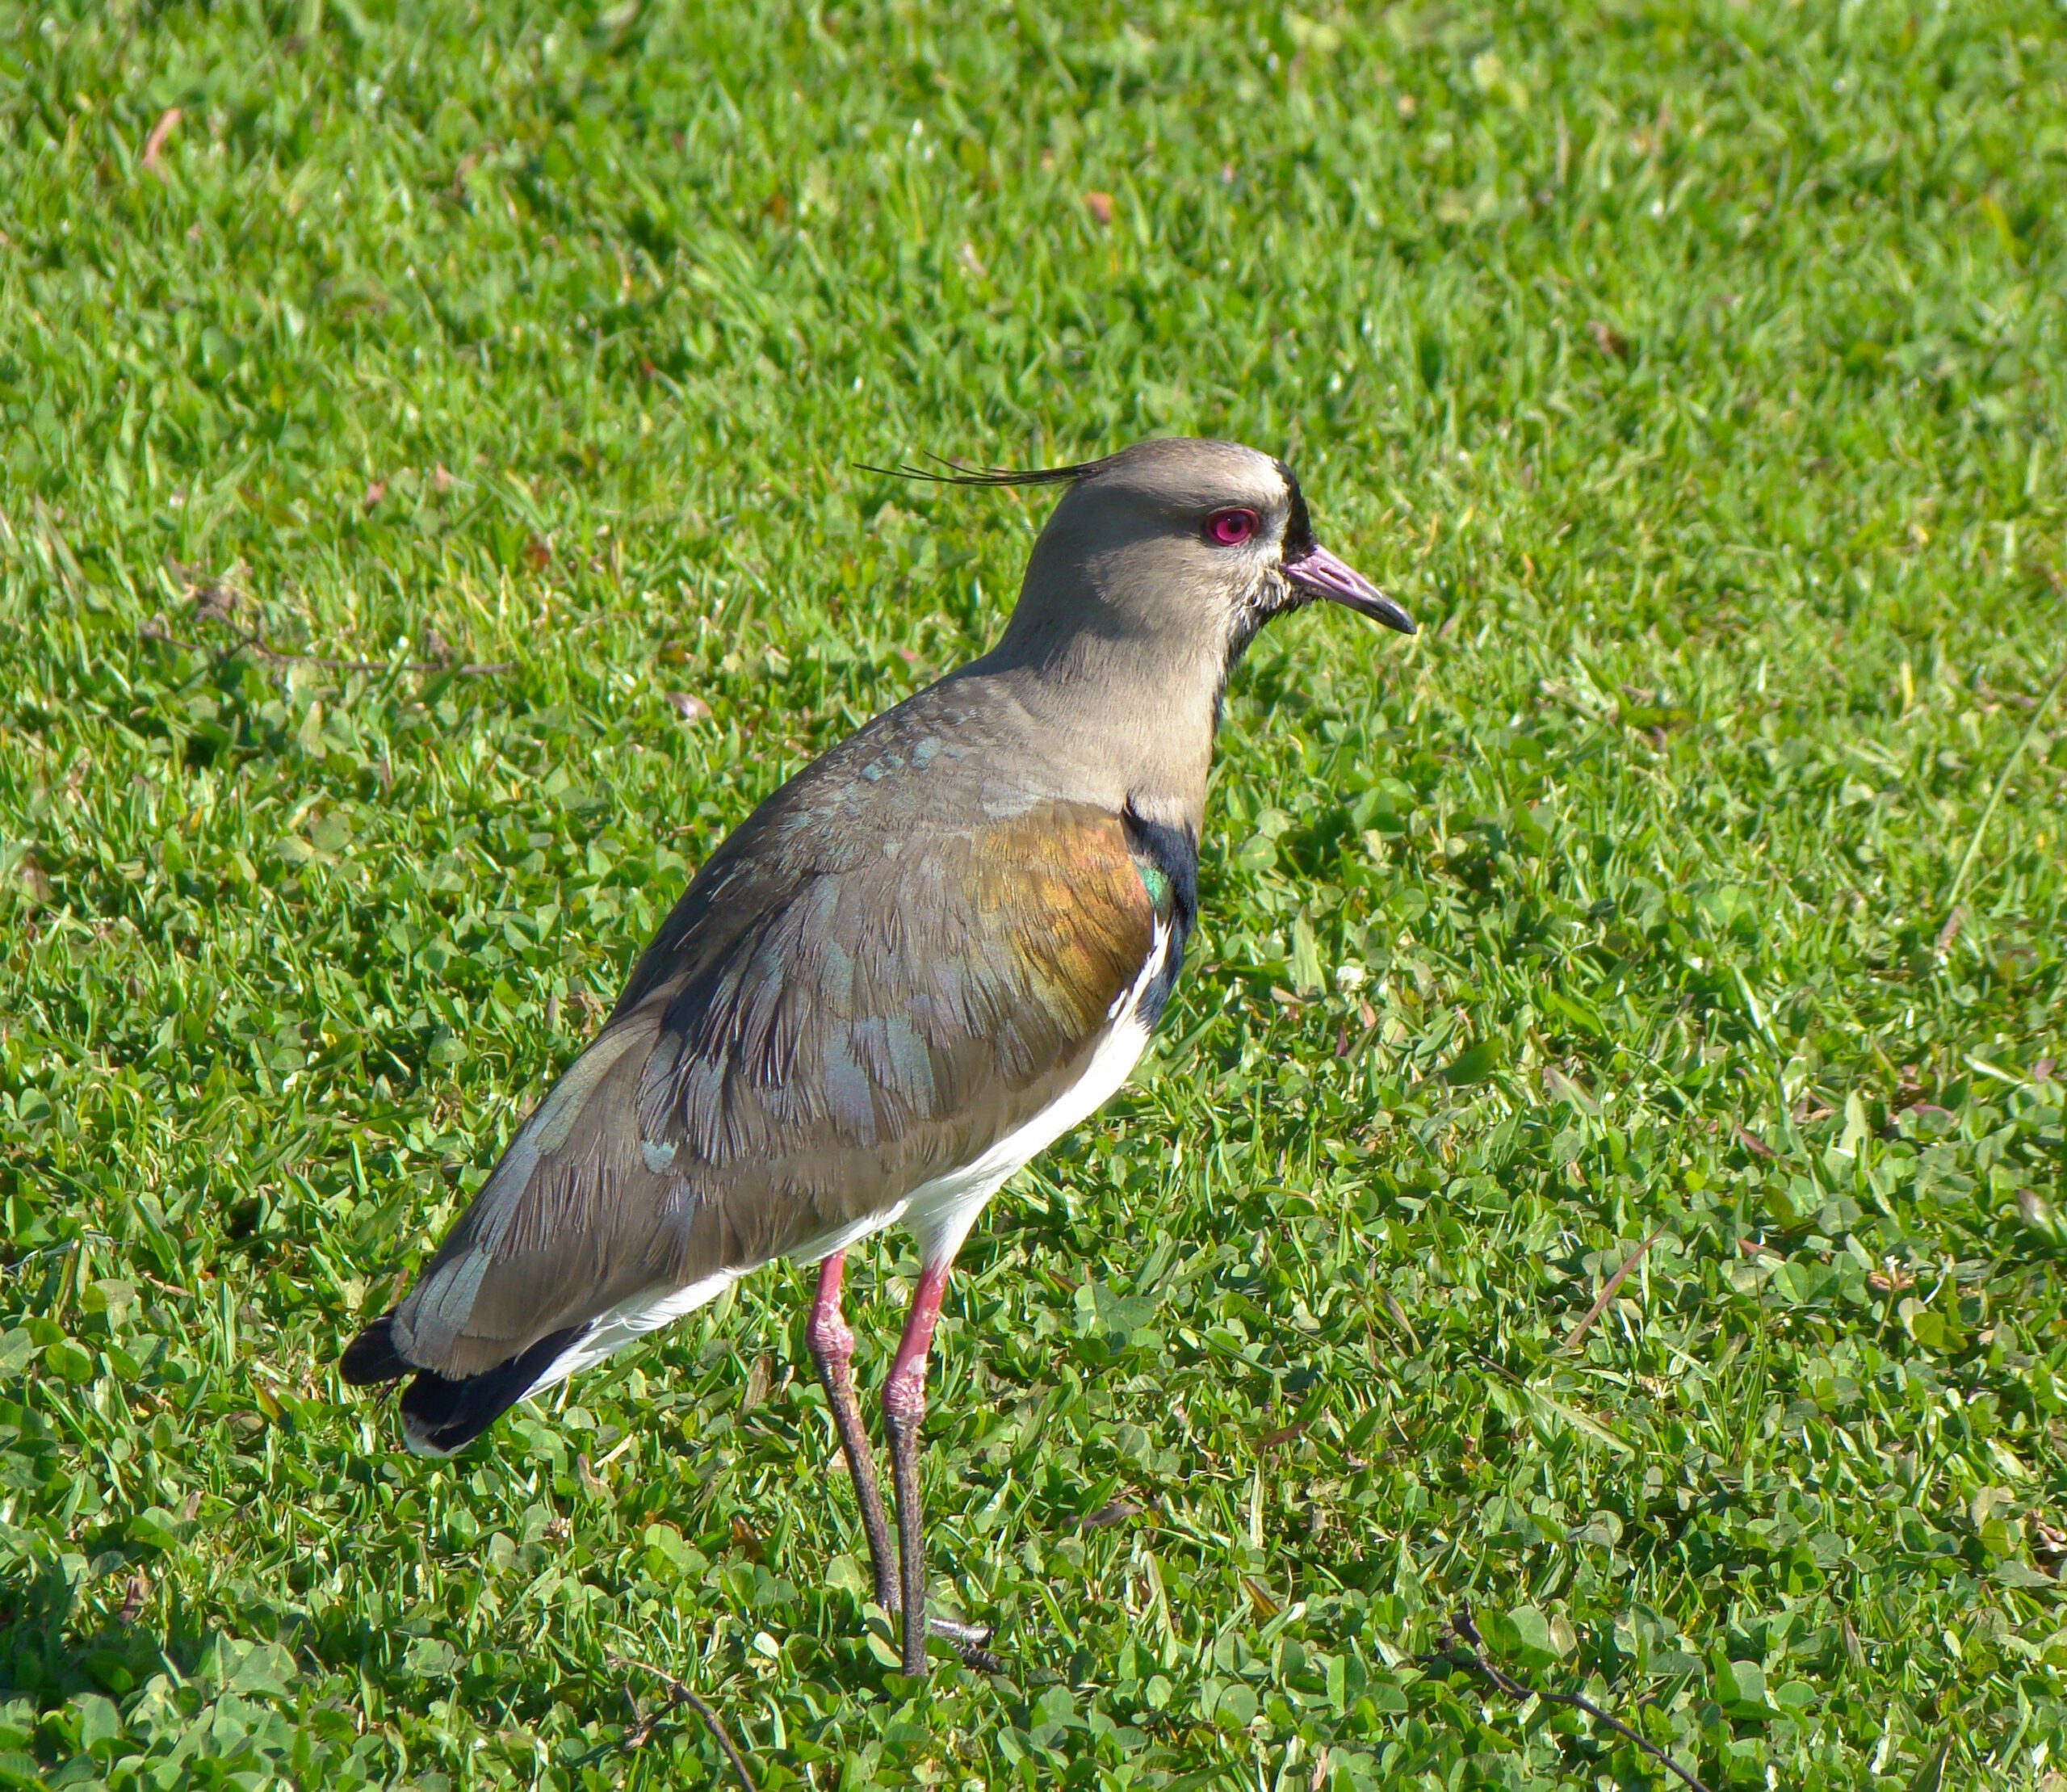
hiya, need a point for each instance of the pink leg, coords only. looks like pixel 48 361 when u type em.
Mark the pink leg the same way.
pixel 903 1410
pixel 833 1348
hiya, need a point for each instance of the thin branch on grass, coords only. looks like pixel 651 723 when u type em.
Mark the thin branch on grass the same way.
pixel 1471 1654
pixel 1571 1415
pixel 58 1249
pixel 680 1694
pixel 1614 1283
pixel 164 1287
pixel 1752 1143
pixel 133 1596
pixel 1995 797
pixel 155 631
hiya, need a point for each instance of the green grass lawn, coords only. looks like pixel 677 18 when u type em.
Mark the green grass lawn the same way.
pixel 427 524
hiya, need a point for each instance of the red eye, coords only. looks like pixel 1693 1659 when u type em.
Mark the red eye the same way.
pixel 1231 528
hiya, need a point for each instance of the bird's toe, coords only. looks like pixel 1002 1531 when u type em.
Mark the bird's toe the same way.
pixel 968 1642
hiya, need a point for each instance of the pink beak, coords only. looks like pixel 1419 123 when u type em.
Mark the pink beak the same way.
pixel 1319 574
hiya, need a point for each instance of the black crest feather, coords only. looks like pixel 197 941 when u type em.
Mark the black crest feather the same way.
pixel 957 474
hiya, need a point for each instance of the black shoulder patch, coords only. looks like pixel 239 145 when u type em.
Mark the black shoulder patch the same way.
pixel 1168 857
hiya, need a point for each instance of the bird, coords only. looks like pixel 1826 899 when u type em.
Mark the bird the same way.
pixel 936 949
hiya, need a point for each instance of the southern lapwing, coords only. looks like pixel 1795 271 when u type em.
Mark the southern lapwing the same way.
pixel 934 951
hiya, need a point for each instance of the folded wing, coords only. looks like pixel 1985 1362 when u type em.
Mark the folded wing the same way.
pixel 823 1024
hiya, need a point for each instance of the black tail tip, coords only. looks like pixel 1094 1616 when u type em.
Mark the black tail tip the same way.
pixel 439 1416
pixel 372 1358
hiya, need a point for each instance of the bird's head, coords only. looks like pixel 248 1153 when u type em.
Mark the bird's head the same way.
pixel 1183 547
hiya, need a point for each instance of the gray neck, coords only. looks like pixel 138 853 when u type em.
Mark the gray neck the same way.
pixel 1119 734
pixel 1121 687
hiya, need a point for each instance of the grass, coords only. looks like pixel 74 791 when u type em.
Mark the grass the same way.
pixel 1694 372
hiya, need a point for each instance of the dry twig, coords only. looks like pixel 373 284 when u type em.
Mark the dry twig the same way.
pixel 155 630
pixel 1614 1283
pixel 680 1694
pixel 133 1597
pixel 1472 1655
pixel 154 143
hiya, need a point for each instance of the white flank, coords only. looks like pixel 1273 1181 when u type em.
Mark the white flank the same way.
pixel 630 1320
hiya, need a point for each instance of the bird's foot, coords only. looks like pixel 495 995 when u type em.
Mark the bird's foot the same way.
pixel 967 1640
